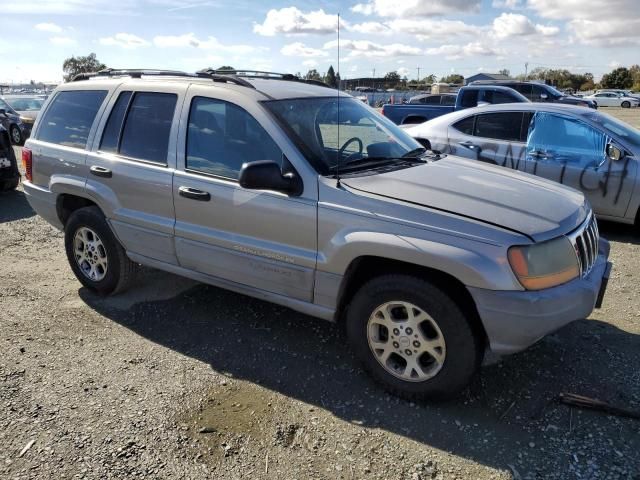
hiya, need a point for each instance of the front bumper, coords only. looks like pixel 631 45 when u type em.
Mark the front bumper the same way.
pixel 514 320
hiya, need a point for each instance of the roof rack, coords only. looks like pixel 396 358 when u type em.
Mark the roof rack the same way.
pixel 139 72
pixel 262 75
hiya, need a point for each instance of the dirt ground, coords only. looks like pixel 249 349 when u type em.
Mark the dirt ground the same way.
pixel 176 379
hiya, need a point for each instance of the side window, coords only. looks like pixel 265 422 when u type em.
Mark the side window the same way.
pixel 496 97
pixel 469 98
pixel 536 93
pixel 145 135
pixel 566 139
pixel 4 106
pixel 432 100
pixel 465 125
pixel 111 136
pixel 500 126
pixel 448 100
pixel 70 116
pixel 524 89
pixel 222 136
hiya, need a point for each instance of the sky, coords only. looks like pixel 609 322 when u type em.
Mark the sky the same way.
pixel 435 36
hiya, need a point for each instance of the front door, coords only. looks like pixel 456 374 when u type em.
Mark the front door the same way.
pixel 572 152
pixel 261 239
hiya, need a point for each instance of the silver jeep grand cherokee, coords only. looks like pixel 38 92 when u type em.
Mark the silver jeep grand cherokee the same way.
pixel 303 196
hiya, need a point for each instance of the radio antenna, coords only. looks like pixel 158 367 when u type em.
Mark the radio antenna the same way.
pixel 338 113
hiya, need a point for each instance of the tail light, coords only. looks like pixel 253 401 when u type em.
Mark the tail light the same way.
pixel 382 111
pixel 27 163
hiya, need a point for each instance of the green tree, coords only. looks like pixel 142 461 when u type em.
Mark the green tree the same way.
pixel 430 79
pixel 619 78
pixel 226 68
pixel 505 71
pixel 313 75
pixel 330 77
pixel 74 65
pixel 453 78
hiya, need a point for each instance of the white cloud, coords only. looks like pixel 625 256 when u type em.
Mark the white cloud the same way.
pixel 375 28
pixel 513 25
pixel 48 27
pixel 609 33
pixel 416 8
pixel 189 40
pixel 363 8
pixel 403 72
pixel 614 64
pixel 427 29
pixel 299 49
pixel 62 41
pixel 292 21
pixel 124 40
pixel 366 48
pixel 310 63
pixel 456 52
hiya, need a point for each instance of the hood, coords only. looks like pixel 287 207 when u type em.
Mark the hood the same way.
pixel 532 206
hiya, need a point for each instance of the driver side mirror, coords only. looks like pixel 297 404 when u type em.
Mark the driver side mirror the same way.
pixel 544 96
pixel 614 153
pixel 266 175
pixel 3 111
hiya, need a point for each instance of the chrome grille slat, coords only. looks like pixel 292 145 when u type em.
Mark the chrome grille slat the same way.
pixel 585 240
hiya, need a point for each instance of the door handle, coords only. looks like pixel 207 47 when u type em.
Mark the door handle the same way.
pixel 469 145
pixel 540 155
pixel 101 171
pixel 194 194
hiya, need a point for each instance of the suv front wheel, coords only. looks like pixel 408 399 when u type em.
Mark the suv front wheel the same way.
pixel 97 259
pixel 412 337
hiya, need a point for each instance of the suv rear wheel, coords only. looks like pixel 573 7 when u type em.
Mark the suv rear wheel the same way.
pixel 412 337
pixel 97 259
pixel 16 135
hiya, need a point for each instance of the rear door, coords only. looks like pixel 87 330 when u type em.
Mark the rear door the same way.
pixel 260 239
pixel 495 137
pixel 569 151
pixel 131 168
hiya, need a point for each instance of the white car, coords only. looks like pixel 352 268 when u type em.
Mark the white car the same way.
pixel 613 99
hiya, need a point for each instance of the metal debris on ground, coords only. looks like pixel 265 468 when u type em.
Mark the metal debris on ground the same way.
pixel 595 404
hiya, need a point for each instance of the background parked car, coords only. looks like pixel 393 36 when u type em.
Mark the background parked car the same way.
pixel 9 174
pixel 585 149
pixel 540 92
pixel 628 93
pixel 467 97
pixel 434 99
pixel 17 115
pixel 614 99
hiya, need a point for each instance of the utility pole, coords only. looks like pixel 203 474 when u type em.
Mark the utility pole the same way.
pixel 526 69
pixel 418 68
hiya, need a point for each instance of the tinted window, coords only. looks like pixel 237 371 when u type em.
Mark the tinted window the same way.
pixel 146 130
pixel 222 136
pixel 536 92
pixel 523 88
pixel 68 119
pixel 432 100
pixel 496 97
pixel 448 100
pixel 111 135
pixel 469 98
pixel 501 126
pixel 465 125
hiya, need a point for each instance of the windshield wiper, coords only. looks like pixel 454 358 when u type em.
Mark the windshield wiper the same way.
pixel 370 161
pixel 415 153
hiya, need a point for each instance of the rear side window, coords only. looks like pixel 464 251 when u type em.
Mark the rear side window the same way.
pixel 496 97
pixel 465 125
pixel 147 123
pixel 70 116
pixel 448 100
pixel 222 136
pixel 433 100
pixel 111 135
pixel 500 126
pixel 469 98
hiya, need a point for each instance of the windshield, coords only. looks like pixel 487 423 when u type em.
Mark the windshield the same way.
pixel 622 130
pixel 554 92
pixel 26 104
pixel 353 133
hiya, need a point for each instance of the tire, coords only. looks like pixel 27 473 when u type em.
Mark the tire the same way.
pixel 112 270
pixel 626 104
pixel 8 185
pixel 462 348
pixel 16 135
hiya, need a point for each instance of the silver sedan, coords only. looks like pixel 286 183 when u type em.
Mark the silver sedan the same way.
pixel 582 148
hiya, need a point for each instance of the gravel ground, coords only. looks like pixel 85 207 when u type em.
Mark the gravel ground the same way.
pixel 176 379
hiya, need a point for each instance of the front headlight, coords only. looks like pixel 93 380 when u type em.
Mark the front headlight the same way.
pixel 26 119
pixel 544 265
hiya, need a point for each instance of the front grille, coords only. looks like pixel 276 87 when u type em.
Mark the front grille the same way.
pixel 585 240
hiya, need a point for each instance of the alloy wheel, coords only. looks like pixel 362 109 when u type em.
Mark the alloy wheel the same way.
pixel 90 254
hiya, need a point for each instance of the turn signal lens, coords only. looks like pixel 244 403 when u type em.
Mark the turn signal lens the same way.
pixel 544 265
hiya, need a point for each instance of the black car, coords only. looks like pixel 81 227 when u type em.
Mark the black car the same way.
pixel 540 92
pixel 9 174
pixel 17 122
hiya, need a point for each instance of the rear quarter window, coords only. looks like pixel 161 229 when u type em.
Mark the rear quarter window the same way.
pixel 69 118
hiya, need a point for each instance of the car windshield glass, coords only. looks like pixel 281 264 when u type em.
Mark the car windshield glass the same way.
pixel 617 127
pixel 328 133
pixel 25 104
pixel 554 92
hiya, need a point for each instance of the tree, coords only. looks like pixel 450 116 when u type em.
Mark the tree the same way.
pixel 505 71
pixel 430 79
pixel 453 78
pixel 330 78
pixel 226 68
pixel 619 78
pixel 313 75
pixel 75 65
pixel 634 70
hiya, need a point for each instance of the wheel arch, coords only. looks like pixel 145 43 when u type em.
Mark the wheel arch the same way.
pixel 367 267
pixel 67 203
